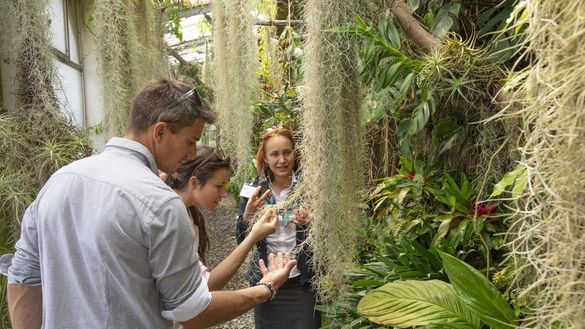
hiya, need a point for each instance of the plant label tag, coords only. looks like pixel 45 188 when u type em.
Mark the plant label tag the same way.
pixel 248 190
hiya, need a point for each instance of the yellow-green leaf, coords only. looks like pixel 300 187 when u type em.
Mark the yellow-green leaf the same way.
pixel 478 293
pixel 404 304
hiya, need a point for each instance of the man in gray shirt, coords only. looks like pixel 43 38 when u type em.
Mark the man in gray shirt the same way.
pixel 112 246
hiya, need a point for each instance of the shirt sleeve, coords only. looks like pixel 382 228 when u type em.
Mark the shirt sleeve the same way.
pixel 174 263
pixel 25 266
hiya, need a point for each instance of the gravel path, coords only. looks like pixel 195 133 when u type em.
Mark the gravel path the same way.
pixel 221 228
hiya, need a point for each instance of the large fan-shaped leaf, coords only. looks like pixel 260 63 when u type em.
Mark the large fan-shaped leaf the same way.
pixel 478 293
pixel 404 304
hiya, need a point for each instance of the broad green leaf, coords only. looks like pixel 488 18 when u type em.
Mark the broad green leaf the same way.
pixel 366 283
pixel 393 35
pixel 420 117
pixel 382 28
pixel 382 76
pixel 403 193
pixel 411 225
pixel 520 183
pixel 406 84
pixel 441 232
pixel 369 50
pixel 478 293
pixel 406 163
pixel 509 179
pixel 404 304
pixel 392 72
pixel 442 25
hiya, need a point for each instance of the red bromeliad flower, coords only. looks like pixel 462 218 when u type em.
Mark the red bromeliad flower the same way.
pixel 480 209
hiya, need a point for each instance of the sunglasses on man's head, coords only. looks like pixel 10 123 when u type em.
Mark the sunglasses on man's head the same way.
pixel 188 94
pixel 269 129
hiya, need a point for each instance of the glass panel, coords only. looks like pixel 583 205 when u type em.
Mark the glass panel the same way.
pixel 58 35
pixel 73 35
pixel 70 93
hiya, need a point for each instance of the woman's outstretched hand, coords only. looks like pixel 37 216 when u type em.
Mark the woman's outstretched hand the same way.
pixel 279 267
pixel 265 226
pixel 302 215
pixel 254 203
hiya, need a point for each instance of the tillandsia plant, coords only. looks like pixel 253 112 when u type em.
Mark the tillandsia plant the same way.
pixel 433 98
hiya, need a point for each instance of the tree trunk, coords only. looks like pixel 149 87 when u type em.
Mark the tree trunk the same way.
pixel 413 29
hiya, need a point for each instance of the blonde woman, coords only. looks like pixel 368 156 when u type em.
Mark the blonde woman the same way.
pixel 276 163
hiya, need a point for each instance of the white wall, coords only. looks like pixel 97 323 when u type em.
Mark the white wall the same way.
pixel 94 110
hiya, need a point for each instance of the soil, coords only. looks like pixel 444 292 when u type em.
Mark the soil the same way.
pixel 221 229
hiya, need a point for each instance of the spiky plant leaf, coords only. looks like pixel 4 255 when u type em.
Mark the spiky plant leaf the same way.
pixel 404 304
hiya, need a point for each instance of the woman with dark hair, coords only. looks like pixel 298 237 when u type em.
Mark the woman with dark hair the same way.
pixel 276 164
pixel 201 182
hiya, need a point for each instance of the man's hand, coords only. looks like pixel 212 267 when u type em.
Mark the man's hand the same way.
pixel 254 203
pixel 265 226
pixel 279 267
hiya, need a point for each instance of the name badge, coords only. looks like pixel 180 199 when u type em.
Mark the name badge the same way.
pixel 248 190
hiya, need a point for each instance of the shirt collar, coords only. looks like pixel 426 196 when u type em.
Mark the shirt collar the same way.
pixel 287 189
pixel 134 147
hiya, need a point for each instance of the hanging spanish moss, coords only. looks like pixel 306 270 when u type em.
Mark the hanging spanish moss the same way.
pixel 207 70
pixel 549 224
pixel 151 62
pixel 333 158
pixel 35 128
pixel 235 75
pixel 130 46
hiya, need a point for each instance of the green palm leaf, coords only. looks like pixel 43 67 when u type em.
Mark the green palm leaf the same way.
pixel 404 304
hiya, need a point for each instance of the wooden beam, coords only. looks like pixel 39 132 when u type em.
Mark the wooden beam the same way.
pixel 176 55
pixel 198 10
pixel 194 42
pixel 278 22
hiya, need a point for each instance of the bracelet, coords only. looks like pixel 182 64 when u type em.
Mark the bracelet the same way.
pixel 268 286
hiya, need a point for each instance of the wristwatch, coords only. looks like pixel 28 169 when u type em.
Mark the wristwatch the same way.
pixel 268 286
